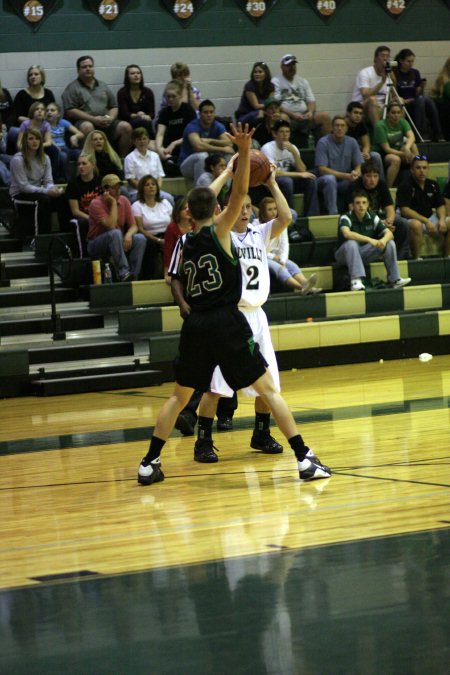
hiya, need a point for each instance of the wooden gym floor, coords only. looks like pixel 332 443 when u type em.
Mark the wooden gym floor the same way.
pixel 234 567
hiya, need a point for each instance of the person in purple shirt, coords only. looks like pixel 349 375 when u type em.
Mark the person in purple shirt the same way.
pixel 338 161
pixel 256 91
pixel 202 136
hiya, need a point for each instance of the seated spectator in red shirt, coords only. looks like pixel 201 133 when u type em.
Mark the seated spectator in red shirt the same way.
pixel 181 223
pixel 113 231
pixel 256 91
pixel 136 102
pixel 172 121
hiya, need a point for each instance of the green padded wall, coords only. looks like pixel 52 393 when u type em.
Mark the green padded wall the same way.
pixel 147 24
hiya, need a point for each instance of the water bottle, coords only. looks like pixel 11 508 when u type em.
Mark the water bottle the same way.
pixel 107 274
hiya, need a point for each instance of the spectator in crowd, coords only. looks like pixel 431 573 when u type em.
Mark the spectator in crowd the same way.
pixel 441 95
pixel 80 191
pixel 357 129
pixel 363 238
pixel 106 158
pixel 338 160
pixel 153 215
pixel 280 267
pixel 6 109
pixel 113 231
pixel 263 130
pixel 417 198
pixel 214 165
pixel 35 91
pixel 411 89
pixel 291 174
pixel 446 195
pixel 172 121
pixel 381 203
pixel 5 159
pixel 180 224
pixel 136 102
pixel 394 139
pixel 32 180
pixel 36 120
pixel 191 95
pixel 90 104
pixel 256 91
pixel 202 136
pixel 371 86
pixel 59 128
pixel 298 101
pixel 142 162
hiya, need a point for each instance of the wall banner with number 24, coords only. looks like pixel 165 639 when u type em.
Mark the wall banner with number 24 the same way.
pixel 183 11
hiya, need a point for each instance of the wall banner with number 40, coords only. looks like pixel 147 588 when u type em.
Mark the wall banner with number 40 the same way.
pixel 326 8
pixel 256 9
pixel 183 11
pixel 106 10
pixel 33 12
pixel 395 8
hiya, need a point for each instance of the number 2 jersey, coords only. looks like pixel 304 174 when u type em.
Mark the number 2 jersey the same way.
pixel 210 277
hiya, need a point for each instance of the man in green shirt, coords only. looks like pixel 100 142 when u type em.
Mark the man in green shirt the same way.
pixel 363 237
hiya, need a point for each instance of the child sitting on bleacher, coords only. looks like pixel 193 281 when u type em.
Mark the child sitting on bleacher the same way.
pixel 58 129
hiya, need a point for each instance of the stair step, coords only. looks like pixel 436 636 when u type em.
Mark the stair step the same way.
pixel 16 298
pixel 24 270
pixel 33 325
pixel 43 310
pixel 10 245
pixel 64 351
pixel 100 366
pixel 103 382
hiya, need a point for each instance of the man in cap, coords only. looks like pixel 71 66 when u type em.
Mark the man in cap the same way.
pixel 113 231
pixel 297 100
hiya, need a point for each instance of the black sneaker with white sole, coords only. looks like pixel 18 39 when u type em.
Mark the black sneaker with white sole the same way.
pixel 263 441
pixel 311 468
pixel 150 472
pixel 204 451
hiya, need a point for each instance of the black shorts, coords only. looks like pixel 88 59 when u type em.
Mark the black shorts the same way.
pixel 218 337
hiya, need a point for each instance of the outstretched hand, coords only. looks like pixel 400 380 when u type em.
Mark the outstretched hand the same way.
pixel 241 135
pixel 272 176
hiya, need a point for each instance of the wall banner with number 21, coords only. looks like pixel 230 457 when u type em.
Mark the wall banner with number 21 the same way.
pixel 395 8
pixel 106 10
pixel 256 9
pixel 326 8
pixel 33 12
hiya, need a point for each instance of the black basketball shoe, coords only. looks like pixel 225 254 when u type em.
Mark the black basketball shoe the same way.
pixel 262 440
pixel 204 451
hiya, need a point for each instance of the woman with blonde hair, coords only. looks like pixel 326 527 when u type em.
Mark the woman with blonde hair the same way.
pixel 34 91
pixel 106 158
pixel 80 191
pixel 441 94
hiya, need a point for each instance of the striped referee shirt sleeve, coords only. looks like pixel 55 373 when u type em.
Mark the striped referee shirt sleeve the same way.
pixel 175 261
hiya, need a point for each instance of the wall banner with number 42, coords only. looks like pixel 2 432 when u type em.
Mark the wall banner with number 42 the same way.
pixel 326 8
pixel 256 9
pixel 108 11
pixel 33 12
pixel 395 8
pixel 183 11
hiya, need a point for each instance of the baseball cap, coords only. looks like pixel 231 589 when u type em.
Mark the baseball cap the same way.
pixel 269 101
pixel 110 180
pixel 287 59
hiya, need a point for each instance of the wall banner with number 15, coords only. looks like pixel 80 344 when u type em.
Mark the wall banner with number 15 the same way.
pixel 33 12
pixel 326 8
pixel 395 8
pixel 256 9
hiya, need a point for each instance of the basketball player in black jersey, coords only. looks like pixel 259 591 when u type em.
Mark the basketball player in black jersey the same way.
pixel 215 332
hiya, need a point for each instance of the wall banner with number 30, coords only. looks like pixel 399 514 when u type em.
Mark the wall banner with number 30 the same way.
pixel 106 10
pixel 185 10
pixel 395 8
pixel 326 8
pixel 256 9
pixel 33 12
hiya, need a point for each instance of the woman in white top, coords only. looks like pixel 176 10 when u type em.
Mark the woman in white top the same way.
pixel 152 215
pixel 283 269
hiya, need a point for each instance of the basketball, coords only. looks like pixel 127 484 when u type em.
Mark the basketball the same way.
pixel 259 168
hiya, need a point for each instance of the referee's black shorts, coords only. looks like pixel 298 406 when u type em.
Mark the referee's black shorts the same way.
pixel 221 337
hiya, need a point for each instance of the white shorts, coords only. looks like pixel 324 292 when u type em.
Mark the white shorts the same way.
pixel 257 320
